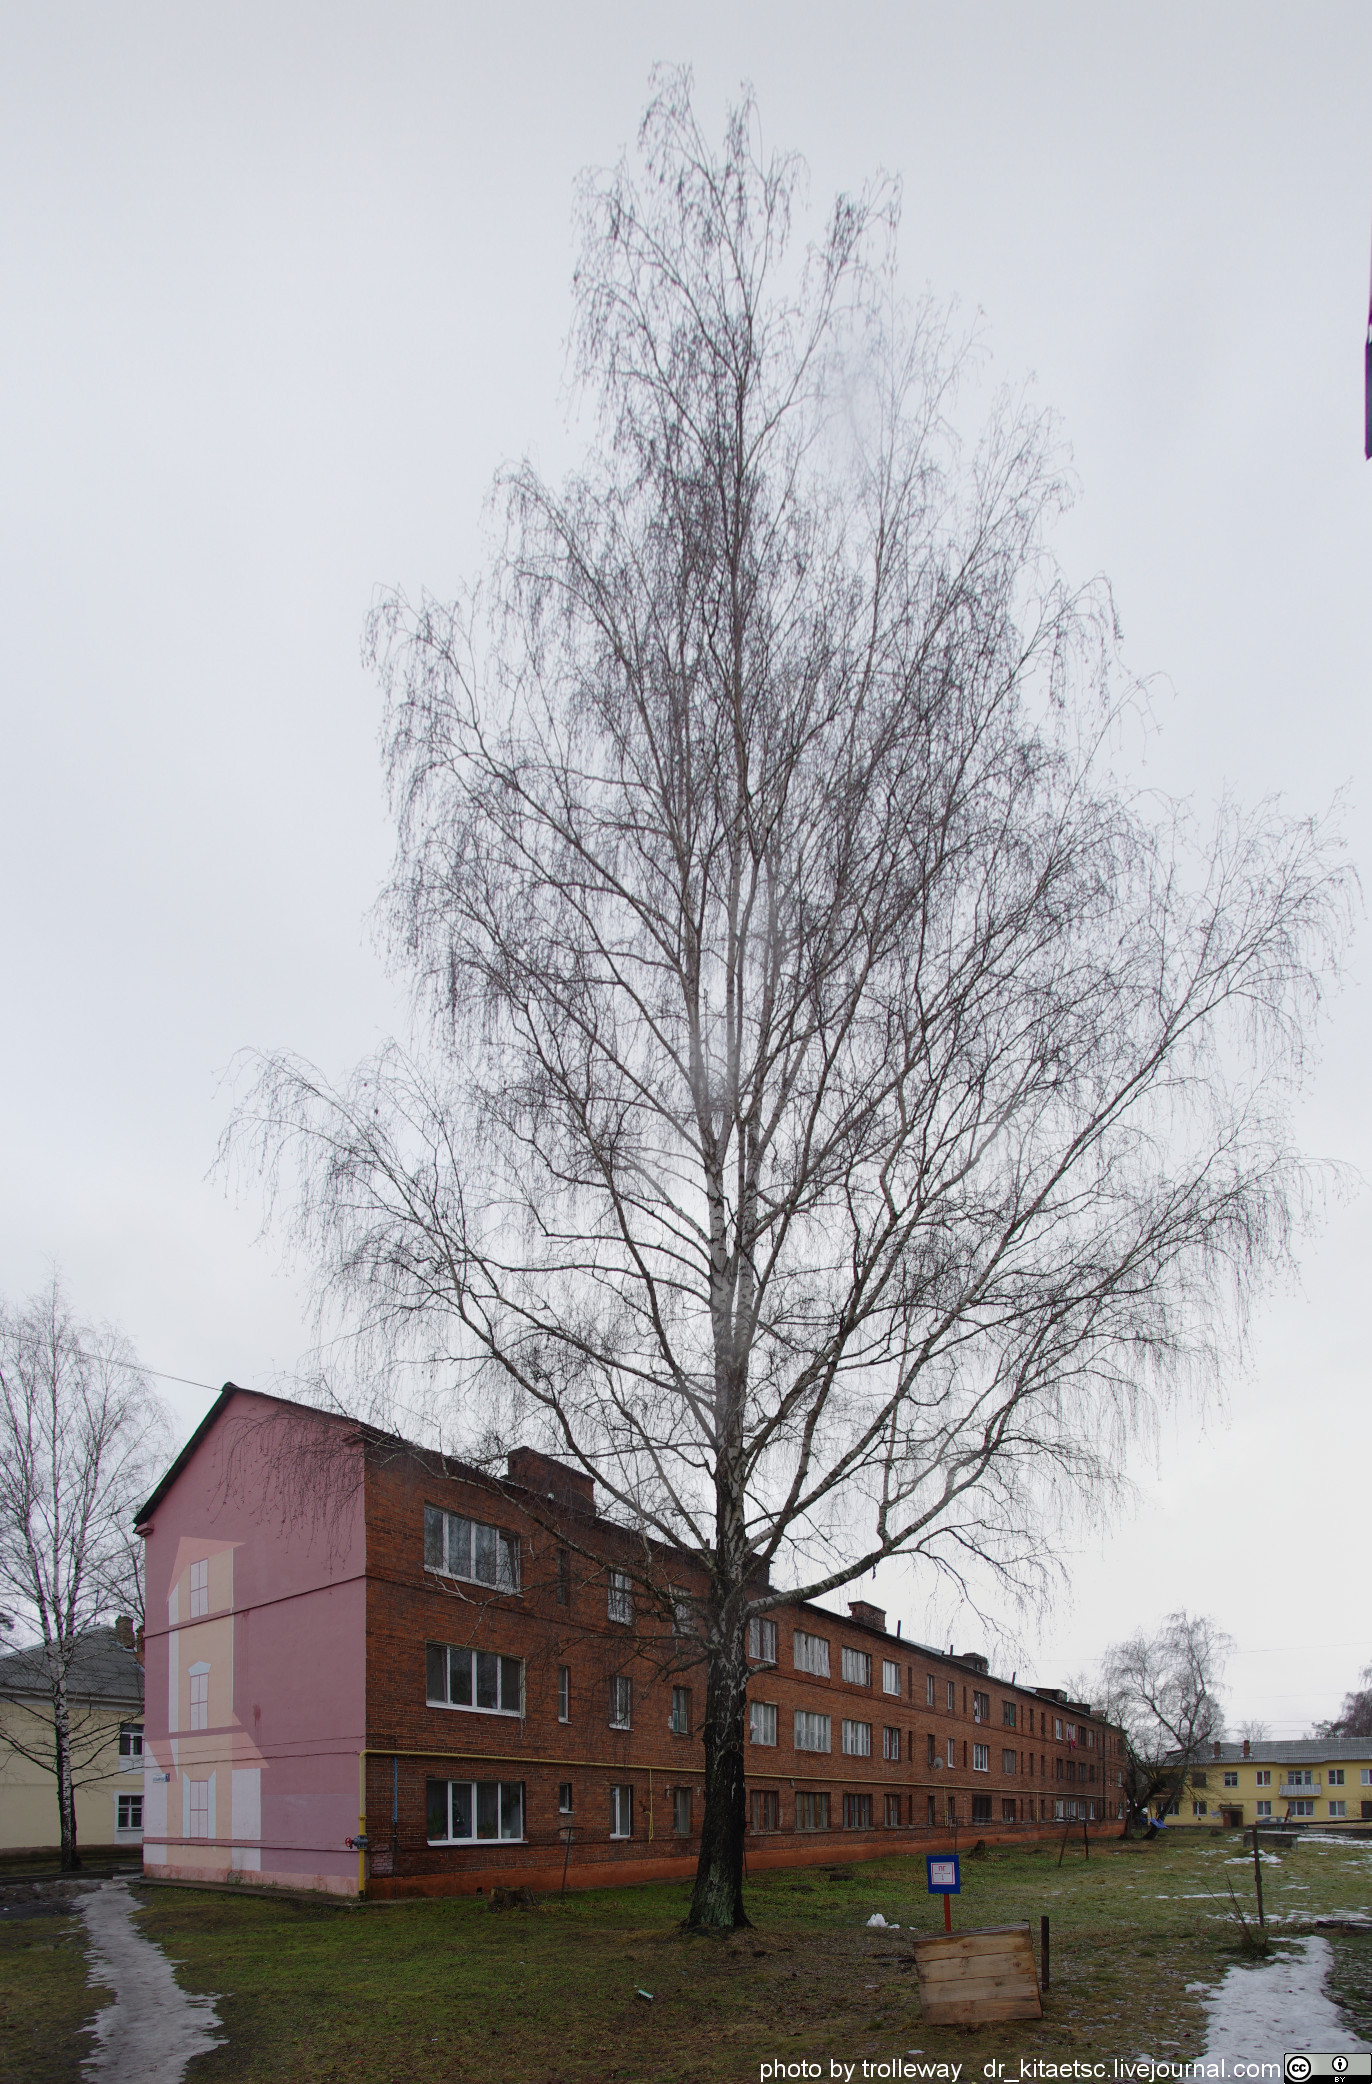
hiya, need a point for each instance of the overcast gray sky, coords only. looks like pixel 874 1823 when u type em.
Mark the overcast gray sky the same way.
pixel 281 285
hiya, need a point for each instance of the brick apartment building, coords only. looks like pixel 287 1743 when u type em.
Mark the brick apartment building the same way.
pixel 350 1638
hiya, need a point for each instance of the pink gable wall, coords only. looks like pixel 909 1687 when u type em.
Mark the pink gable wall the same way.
pixel 256 1653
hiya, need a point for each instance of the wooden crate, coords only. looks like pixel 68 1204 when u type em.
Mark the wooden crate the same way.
pixel 966 1978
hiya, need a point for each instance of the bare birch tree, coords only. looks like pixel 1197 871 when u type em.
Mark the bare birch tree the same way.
pixel 841 1105
pixel 80 1434
pixel 1165 1689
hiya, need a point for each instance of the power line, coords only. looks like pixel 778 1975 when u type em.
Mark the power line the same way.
pixel 137 1367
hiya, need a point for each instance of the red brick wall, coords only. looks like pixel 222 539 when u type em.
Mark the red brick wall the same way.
pixel 410 1742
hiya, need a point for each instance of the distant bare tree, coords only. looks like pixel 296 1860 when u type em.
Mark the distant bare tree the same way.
pixel 1164 1689
pixel 80 1434
pixel 845 1107
pixel 1255 1732
pixel 1354 1718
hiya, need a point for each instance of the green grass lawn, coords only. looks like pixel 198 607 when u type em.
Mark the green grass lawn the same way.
pixel 406 1993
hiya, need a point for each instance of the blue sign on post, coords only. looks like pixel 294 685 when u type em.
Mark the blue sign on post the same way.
pixel 945 1878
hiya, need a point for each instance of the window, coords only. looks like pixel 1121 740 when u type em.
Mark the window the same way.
pixel 1200 1808
pixel 764 1811
pixel 1071 1732
pixel 857 1739
pixel 469 1549
pixel 952 1751
pixel 762 1722
pixel 476 1679
pixel 1008 1761
pixel 812 1812
pixel 1007 1812
pixel 1057 1727
pixel 129 1813
pixel 892 1817
pixel 1365 1776
pixel 681 1812
pixel 620 1604
pixel 683 1612
pixel 1007 1713
pixel 200 1697
pixel 1231 1779
pixel 762 1640
pixel 1336 1776
pixel 890 1677
pixel 981 1758
pixel 857 1667
pixel 811 1653
pixel 981 1809
pixel 952 1696
pixel 200 1589
pixel 199 1808
pixel 928 1689
pixel 679 1721
pixel 1264 1808
pixel 932 1754
pixel 1263 1779
pixel 933 1809
pixel 621 1705
pixel 621 1812
pixel 890 1743
pixel 812 1731
pixel 564 1577
pixel 131 1743
pixel 1199 1780
pixel 981 1707
pixel 462 1811
pixel 564 1693
pixel 1302 1809
pixel 1296 1778
pixel 564 1797
pixel 857 1812
pixel 1338 1808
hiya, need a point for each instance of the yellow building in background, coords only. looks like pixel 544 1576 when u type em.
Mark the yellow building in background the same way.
pixel 1303 1780
pixel 106 1691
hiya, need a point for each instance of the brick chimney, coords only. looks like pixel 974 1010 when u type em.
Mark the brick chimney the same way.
pixel 123 1632
pixel 872 1616
pixel 1217 1747
pixel 1247 1748
pixel 552 1480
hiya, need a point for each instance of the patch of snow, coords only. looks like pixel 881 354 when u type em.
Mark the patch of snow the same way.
pixel 1278 2005
pixel 154 2027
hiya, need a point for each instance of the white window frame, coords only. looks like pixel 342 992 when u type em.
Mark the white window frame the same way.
pixel 621 1701
pixel 1057 1727
pixel 564 1693
pixel 857 1739
pixel 762 1639
pixel 200 1588
pixel 813 1731
pixel 856 1666
pixel 131 1747
pixel 890 1742
pixel 928 1689
pixel 1263 1779
pixel 1338 1808
pixel 198 1808
pixel 890 1677
pixel 125 1818
pixel 622 1812
pixel 619 1599
pixel 450 1658
pixel 1264 1808
pixel 810 1653
pixel 679 1720
pixel 1336 1777
pixel 473 1793
pixel 762 1722
pixel 951 1751
pixel 981 1758
pixel 981 1706
pixel 198 1697
pixel 450 1554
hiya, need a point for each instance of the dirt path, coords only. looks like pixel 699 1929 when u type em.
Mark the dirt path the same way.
pixel 154 2027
